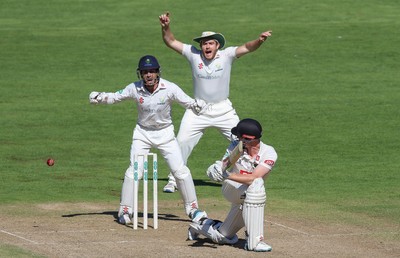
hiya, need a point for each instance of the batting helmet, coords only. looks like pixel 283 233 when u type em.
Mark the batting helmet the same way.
pixel 248 127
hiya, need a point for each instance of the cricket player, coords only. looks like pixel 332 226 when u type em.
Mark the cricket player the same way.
pixel 153 97
pixel 211 71
pixel 243 186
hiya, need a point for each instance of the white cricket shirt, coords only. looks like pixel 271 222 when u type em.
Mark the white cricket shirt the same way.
pixel 154 109
pixel 210 78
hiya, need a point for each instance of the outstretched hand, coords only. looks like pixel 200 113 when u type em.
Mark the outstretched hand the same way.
pixel 264 35
pixel 164 19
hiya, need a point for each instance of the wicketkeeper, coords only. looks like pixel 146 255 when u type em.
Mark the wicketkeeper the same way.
pixel 243 169
pixel 153 97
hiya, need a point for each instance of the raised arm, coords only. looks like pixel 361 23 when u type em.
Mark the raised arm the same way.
pixel 167 35
pixel 253 45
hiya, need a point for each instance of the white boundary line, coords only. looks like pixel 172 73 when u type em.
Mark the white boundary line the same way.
pixel 14 235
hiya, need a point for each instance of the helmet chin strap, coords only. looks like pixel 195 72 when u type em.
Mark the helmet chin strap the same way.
pixel 150 86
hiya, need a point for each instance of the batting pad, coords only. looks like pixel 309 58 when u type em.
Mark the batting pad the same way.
pixel 184 182
pixel 127 191
pixel 253 213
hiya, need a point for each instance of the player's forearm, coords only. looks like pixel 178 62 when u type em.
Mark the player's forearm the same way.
pixel 243 179
pixel 167 35
pixel 248 47
pixel 170 40
pixel 253 45
pixel 184 100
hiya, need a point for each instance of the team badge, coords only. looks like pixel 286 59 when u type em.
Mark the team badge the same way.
pixel 141 100
pixel 161 101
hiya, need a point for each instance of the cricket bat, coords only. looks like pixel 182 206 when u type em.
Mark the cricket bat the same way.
pixel 233 156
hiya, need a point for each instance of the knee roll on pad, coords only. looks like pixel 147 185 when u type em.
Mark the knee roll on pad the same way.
pixel 181 173
pixel 256 191
pixel 253 213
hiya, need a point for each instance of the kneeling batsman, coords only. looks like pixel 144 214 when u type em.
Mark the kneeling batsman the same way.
pixel 243 169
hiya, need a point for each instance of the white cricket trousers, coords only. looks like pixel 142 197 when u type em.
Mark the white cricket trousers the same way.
pixel 221 116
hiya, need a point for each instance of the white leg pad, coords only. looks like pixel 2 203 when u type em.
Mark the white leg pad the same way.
pixel 127 192
pixel 184 182
pixel 209 229
pixel 253 213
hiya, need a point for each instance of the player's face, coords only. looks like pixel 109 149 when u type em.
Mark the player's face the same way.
pixel 209 48
pixel 149 77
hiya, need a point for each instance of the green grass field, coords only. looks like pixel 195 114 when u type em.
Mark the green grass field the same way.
pixel 324 86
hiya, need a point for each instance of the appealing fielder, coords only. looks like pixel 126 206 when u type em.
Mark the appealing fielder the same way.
pixel 153 97
pixel 211 70
pixel 243 186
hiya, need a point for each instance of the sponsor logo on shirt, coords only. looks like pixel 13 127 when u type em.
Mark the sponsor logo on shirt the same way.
pixel 269 162
pixel 208 77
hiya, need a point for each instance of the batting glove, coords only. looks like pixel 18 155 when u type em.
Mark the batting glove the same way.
pixel 215 173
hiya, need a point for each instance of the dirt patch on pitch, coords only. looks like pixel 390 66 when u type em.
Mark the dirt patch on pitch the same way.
pixel 90 230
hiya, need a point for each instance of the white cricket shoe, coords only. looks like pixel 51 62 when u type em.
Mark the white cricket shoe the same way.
pixel 197 215
pixel 125 219
pixel 261 247
pixel 170 187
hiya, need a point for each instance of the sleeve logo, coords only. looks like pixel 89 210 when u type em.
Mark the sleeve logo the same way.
pixel 269 162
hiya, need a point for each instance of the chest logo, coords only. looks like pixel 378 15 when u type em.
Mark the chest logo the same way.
pixel 161 101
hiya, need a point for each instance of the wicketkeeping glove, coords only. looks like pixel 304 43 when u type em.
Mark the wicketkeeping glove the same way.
pixel 199 106
pixel 95 97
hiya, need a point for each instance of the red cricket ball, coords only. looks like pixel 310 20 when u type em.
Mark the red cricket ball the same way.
pixel 50 162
